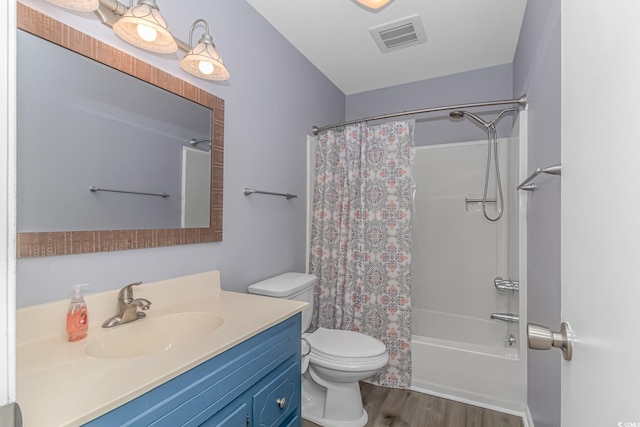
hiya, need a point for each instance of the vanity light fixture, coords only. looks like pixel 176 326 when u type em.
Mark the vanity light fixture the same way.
pixel 374 5
pixel 203 60
pixel 78 5
pixel 143 26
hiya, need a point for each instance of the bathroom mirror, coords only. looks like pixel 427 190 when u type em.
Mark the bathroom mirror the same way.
pixel 69 126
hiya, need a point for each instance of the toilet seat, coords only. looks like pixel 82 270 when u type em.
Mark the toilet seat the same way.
pixel 346 349
pixel 335 343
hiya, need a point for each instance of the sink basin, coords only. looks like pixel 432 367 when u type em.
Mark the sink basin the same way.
pixel 153 335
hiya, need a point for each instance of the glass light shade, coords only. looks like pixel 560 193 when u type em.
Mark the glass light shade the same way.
pixel 374 4
pixel 138 25
pixel 206 67
pixel 146 33
pixel 78 5
pixel 202 58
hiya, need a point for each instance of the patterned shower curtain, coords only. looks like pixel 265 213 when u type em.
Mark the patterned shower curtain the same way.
pixel 361 238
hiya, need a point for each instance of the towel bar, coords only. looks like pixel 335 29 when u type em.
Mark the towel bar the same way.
pixel 248 191
pixel 551 170
pixel 93 189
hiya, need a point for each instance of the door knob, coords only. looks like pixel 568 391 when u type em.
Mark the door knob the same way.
pixel 541 338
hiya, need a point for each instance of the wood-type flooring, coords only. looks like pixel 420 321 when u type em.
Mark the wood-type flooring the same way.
pixel 406 408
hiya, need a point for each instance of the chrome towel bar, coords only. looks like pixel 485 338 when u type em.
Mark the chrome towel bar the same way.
pixel 249 191
pixel 551 170
pixel 93 189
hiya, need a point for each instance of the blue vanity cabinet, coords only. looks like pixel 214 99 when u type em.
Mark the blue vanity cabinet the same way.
pixel 275 401
pixel 255 383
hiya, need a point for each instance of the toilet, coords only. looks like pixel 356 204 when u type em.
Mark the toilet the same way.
pixel 333 360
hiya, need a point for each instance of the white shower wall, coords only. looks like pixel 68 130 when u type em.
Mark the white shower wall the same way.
pixel 458 351
pixel 457 253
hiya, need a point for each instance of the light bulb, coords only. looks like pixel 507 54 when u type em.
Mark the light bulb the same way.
pixel 205 67
pixel 374 4
pixel 146 33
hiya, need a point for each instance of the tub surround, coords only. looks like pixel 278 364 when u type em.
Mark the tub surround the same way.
pixel 59 385
pixel 466 356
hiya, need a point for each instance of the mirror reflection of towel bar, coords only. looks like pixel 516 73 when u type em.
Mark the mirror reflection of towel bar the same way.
pixel 93 189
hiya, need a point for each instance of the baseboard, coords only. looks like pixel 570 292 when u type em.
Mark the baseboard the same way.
pixel 511 408
pixel 527 418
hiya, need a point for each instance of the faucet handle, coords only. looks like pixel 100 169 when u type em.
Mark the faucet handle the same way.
pixel 126 293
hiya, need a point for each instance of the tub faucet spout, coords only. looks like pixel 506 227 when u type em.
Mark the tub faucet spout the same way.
pixel 506 317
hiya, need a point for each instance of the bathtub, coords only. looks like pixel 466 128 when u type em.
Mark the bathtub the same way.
pixel 465 359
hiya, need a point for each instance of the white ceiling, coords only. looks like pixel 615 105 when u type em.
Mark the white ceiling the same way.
pixel 462 35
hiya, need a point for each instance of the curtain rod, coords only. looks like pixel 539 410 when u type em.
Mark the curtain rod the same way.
pixel 522 101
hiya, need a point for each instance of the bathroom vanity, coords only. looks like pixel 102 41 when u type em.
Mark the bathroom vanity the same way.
pixel 202 356
pixel 256 383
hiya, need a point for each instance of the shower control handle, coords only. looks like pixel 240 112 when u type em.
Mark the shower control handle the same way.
pixel 506 285
pixel 541 338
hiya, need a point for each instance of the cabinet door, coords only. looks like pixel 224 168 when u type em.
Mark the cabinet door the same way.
pixel 278 398
pixel 235 414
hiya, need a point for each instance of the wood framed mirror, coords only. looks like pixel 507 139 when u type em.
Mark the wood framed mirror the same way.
pixel 35 243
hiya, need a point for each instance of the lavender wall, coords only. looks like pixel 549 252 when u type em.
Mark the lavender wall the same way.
pixel 273 98
pixel 486 84
pixel 537 72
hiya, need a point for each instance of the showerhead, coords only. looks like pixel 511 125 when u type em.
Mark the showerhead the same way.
pixel 460 114
pixel 194 142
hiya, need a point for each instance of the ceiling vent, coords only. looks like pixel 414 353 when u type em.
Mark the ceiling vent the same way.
pixel 399 34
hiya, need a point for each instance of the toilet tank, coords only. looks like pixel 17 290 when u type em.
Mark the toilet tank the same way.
pixel 294 286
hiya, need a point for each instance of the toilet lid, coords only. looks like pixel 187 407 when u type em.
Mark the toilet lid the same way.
pixel 335 343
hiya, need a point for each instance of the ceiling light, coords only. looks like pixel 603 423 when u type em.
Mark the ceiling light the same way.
pixel 374 4
pixel 78 5
pixel 143 26
pixel 203 60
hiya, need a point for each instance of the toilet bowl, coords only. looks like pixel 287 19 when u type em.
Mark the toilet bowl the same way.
pixel 336 359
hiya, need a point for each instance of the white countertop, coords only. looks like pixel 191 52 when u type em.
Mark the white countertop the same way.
pixel 59 385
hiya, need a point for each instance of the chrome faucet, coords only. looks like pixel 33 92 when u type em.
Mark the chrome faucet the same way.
pixel 506 317
pixel 506 285
pixel 128 307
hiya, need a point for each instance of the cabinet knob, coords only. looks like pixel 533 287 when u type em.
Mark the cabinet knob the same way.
pixel 282 402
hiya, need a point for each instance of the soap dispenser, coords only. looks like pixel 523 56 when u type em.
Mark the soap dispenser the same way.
pixel 77 316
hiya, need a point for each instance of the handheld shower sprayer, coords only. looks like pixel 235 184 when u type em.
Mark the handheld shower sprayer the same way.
pixel 492 136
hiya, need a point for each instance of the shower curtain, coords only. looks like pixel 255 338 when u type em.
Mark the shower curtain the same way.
pixel 361 238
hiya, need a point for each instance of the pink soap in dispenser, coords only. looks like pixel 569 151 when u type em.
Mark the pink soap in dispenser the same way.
pixel 77 317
